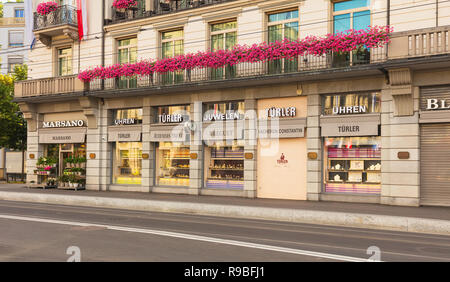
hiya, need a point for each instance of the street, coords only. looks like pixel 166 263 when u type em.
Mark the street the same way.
pixel 40 232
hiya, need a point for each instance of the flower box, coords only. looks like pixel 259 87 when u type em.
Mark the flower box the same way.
pixel 46 8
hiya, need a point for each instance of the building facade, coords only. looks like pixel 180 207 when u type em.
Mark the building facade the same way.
pixel 361 126
pixel 12 30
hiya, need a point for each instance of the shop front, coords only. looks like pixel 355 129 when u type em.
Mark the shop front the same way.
pixel 124 134
pixel 350 128
pixel 223 137
pixel 435 145
pixel 281 159
pixel 172 145
pixel 63 161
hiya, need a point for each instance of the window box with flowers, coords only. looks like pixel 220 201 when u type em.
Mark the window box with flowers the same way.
pixel 124 5
pixel 46 12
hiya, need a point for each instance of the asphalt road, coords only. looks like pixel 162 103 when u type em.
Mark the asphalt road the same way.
pixel 39 232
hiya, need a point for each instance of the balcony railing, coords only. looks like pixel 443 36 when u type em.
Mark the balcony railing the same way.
pixel 244 70
pixel 405 45
pixel 161 7
pixel 48 86
pixel 64 15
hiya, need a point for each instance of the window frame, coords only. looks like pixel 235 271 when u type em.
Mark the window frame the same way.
pixel 129 47
pixel 69 56
pixel 16 45
pixel 22 12
pixel 349 11
pixel 283 22
pixel 224 32
pixel 170 40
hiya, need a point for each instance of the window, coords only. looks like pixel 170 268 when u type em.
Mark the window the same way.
pixel 127 53
pixel 223 37
pixel 64 61
pixel 172 164
pixel 19 13
pixel 224 111
pixel 354 103
pixel 283 26
pixel 127 163
pixel 13 62
pixel 353 14
pixel 353 165
pixel 16 39
pixel 172 45
pixel 127 117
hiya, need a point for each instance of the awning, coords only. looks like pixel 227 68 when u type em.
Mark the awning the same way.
pixel 62 136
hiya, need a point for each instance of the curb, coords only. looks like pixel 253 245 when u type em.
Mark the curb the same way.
pixel 356 220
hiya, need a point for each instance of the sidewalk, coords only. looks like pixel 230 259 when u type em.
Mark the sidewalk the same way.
pixel 434 220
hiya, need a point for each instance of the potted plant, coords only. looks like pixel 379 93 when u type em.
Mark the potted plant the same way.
pixel 45 9
pixel 82 162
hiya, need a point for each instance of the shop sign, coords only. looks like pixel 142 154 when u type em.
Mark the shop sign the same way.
pixel 283 131
pixel 63 123
pixel 221 116
pixel 350 129
pixel 61 138
pixel 223 131
pixel 281 112
pixel 167 135
pixel 127 136
pixel 349 110
pixel 174 118
pixel 435 104
pixel 125 121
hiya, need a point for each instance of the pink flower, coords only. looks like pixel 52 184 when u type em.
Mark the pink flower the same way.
pixel 372 37
pixel 46 7
pixel 124 4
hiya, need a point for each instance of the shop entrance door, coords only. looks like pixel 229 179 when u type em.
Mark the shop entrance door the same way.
pixel 281 169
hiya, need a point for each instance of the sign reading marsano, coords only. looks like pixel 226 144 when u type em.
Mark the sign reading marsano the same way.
pixel 63 124
pixel 62 136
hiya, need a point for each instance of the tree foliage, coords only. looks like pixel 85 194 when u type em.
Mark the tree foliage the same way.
pixel 13 127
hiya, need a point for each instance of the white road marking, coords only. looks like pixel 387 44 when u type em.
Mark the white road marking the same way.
pixel 191 237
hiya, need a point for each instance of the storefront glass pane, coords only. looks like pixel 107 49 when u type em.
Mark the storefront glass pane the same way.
pixel 173 114
pixel 352 103
pixel 227 111
pixel 131 116
pixel 353 165
pixel 172 163
pixel 127 164
pixel 225 166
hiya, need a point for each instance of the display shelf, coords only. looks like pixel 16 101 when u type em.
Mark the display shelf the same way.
pixel 230 169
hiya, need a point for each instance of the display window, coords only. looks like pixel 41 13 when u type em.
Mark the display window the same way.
pixel 225 165
pixel 172 163
pixel 223 111
pixel 127 116
pixel 127 163
pixel 351 103
pixel 353 165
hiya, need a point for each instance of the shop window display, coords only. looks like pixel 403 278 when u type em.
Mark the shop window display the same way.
pixel 353 165
pixel 225 165
pixel 127 163
pixel 352 103
pixel 172 164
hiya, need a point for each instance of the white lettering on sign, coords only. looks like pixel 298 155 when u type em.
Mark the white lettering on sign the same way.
pixel 349 110
pixel 64 123
pixel 348 128
pixel 124 121
pixel 175 118
pixel 220 116
pixel 281 112
pixel 435 104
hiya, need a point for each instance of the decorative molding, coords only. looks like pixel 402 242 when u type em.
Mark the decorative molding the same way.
pixel 402 91
pixel 30 115
pixel 401 76
pixel 46 40
pixel 90 110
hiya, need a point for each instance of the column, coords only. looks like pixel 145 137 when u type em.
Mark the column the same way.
pixel 196 149
pixel 147 149
pixel 250 148
pixel 314 145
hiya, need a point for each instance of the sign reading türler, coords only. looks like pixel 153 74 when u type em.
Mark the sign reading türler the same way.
pixel 281 122
pixel 348 126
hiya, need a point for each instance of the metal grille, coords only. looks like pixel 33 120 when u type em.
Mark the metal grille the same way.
pixel 435 164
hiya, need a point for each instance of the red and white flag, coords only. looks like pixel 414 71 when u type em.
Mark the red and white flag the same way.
pixel 82 19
